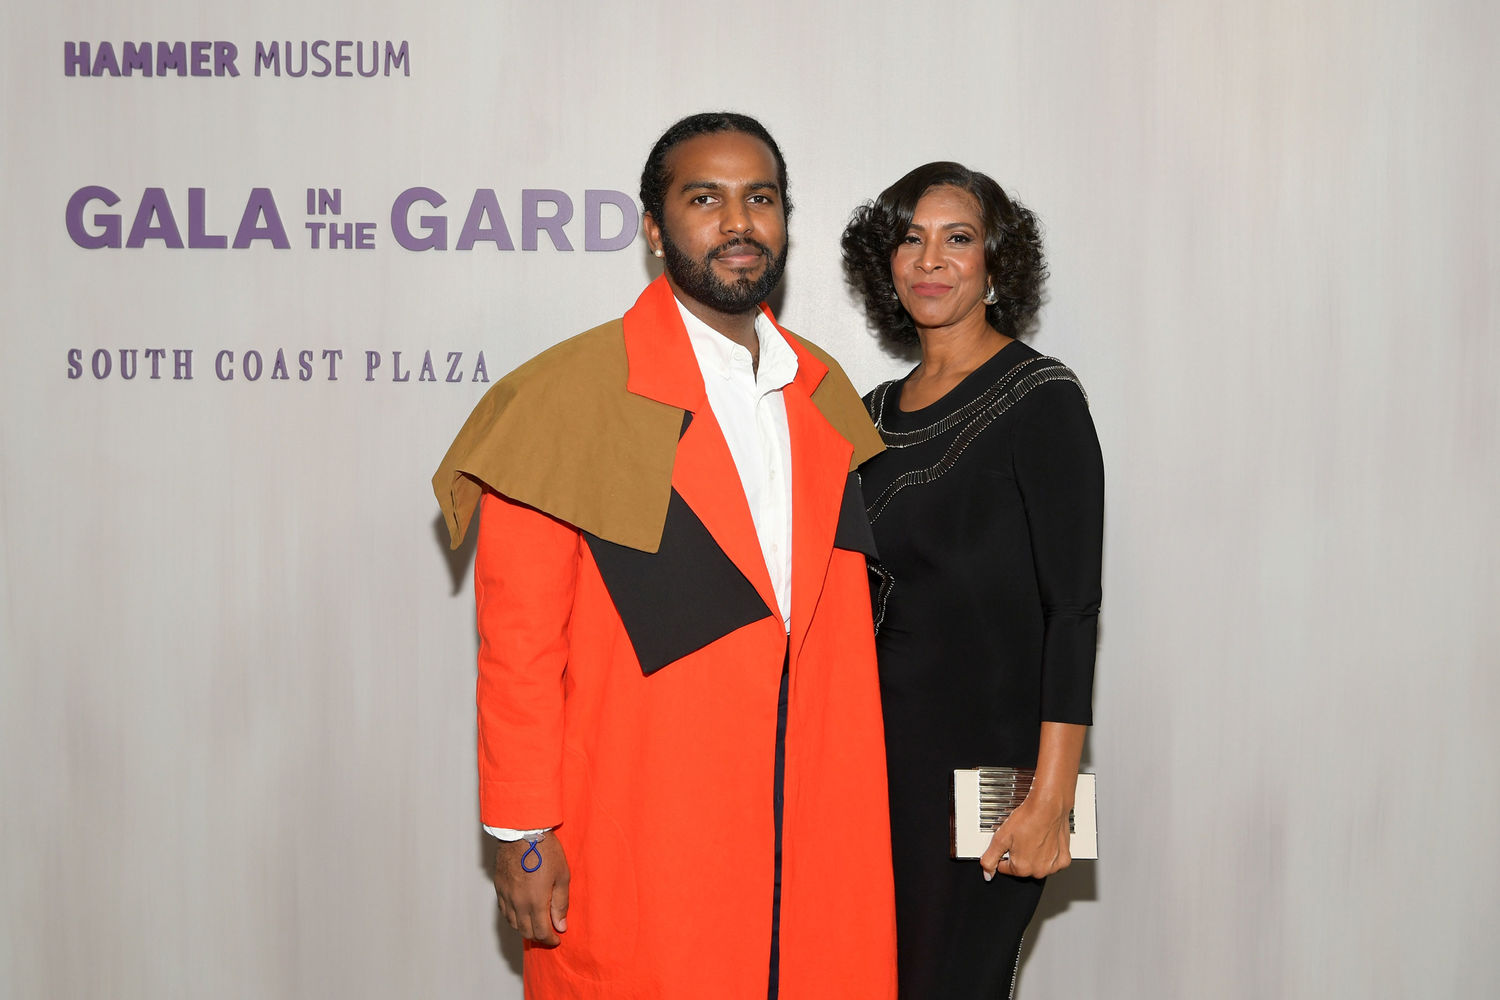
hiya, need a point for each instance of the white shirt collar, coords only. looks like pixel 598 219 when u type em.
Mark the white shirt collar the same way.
pixel 719 356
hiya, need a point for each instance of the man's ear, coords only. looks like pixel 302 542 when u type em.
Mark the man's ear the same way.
pixel 653 234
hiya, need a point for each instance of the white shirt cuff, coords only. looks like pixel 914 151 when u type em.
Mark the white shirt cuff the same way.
pixel 503 833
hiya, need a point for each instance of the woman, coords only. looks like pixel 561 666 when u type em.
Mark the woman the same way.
pixel 987 508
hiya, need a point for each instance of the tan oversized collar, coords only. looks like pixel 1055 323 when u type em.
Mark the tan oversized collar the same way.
pixel 587 430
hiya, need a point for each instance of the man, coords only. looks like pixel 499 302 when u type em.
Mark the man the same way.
pixel 679 724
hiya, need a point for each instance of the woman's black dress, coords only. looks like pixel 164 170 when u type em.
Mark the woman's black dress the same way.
pixel 987 508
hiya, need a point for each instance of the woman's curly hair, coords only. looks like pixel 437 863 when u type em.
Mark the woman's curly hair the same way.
pixel 1012 251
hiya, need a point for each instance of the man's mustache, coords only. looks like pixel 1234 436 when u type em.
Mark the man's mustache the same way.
pixel 740 244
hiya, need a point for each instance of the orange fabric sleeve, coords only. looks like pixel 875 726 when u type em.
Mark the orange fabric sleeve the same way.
pixel 525 568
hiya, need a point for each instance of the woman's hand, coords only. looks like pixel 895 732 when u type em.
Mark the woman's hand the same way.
pixel 1033 840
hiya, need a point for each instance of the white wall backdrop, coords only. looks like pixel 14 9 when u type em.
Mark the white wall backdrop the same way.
pixel 236 661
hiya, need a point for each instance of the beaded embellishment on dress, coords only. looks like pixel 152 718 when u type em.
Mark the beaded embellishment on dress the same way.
pixel 970 419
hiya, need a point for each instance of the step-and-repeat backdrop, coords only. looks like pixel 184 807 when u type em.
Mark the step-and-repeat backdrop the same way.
pixel 260 259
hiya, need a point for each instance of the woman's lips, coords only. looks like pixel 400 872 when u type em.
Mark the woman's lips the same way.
pixel 929 288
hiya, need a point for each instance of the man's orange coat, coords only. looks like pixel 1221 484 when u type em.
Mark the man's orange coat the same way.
pixel 660 786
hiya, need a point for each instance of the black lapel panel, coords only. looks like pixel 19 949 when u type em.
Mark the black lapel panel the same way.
pixel 853 532
pixel 684 595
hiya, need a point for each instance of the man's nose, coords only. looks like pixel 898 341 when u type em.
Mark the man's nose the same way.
pixel 736 219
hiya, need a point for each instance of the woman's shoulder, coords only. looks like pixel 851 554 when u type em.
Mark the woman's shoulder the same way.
pixel 1052 415
pixel 1020 378
pixel 1032 372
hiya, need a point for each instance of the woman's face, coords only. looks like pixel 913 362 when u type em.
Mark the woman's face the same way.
pixel 938 267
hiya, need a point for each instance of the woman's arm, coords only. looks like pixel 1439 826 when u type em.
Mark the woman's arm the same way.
pixel 1061 476
pixel 1035 836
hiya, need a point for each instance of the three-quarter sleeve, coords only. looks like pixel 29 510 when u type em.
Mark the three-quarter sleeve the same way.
pixel 525 569
pixel 1060 474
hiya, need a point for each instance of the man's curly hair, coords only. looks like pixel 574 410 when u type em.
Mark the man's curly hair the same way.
pixel 1012 251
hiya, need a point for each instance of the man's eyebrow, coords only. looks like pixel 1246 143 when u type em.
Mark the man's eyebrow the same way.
pixel 720 186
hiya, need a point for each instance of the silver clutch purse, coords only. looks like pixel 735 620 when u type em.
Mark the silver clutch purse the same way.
pixel 984 796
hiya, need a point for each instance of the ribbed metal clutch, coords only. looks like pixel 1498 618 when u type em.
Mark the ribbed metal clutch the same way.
pixel 984 796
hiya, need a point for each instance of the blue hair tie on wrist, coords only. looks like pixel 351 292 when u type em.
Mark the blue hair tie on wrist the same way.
pixel 529 852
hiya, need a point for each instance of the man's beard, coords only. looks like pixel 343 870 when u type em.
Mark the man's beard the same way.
pixel 698 281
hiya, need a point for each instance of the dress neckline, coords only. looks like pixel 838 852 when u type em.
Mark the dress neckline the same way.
pixel 969 388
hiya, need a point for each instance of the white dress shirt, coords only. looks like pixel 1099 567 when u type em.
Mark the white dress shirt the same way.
pixel 747 403
pixel 749 407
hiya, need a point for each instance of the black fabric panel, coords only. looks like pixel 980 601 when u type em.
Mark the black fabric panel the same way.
pixel 853 532
pixel 778 810
pixel 681 597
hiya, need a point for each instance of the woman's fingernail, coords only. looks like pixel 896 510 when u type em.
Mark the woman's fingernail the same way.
pixel 989 876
